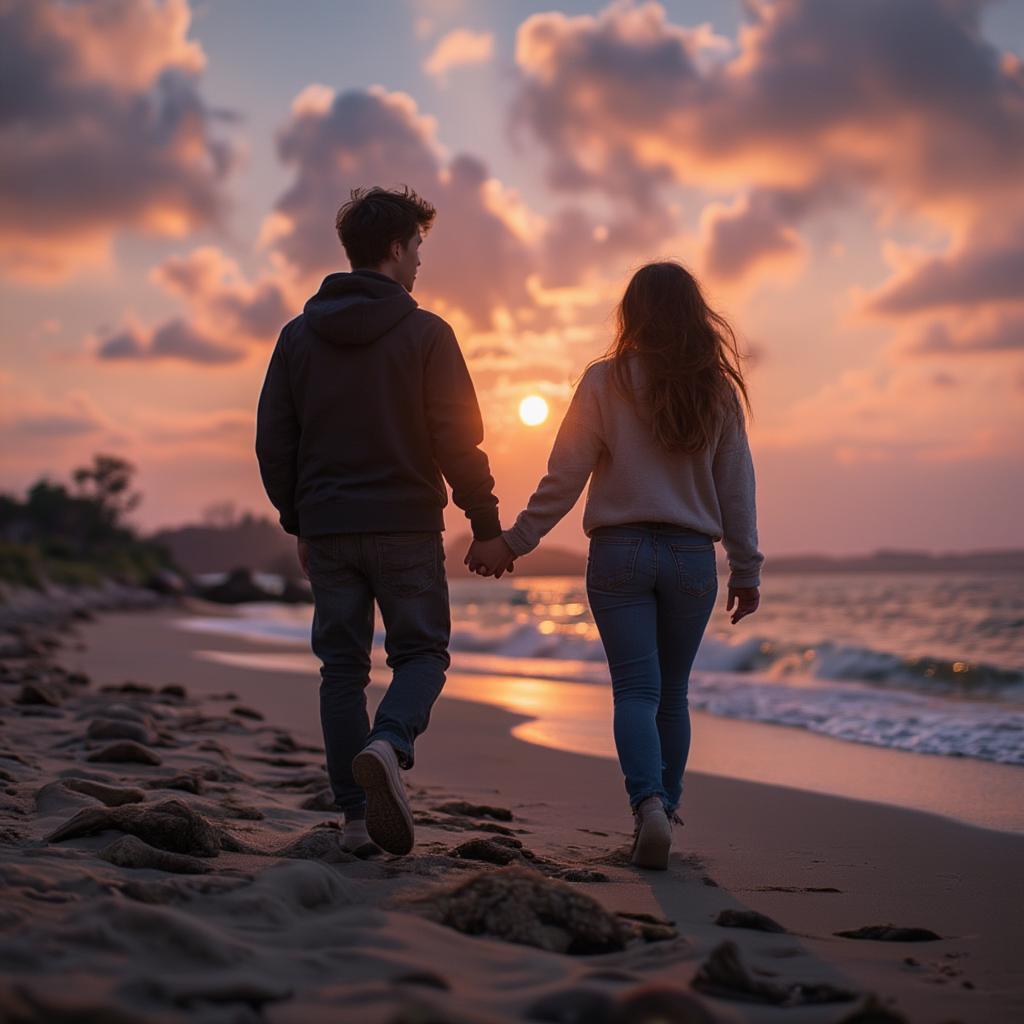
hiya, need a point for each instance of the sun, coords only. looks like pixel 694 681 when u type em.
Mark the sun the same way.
pixel 533 410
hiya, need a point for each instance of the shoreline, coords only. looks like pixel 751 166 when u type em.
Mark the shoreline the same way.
pixel 978 792
pixel 817 864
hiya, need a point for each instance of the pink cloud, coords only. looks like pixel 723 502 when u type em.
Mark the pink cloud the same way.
pixel 476 258
pixel 227 315
pixel 459 48
pixel 103 130
pixel 817 106
pixel 994 333
pixel 986 267
pixel 175 339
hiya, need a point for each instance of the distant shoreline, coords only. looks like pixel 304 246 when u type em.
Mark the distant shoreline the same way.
pixel 262 546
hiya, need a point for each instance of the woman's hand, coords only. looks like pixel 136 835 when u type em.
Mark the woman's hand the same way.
pixel 746 600
pixel 490 558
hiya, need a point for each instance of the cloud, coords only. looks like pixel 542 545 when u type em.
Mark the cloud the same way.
pixel 994 334
pixel 754 229
pixel 44 421
pixel 227 315
pixel 219 294
pixel 103 130
pixel 477 256
pixel 899 413
pixel 987 267
pixel 459 48
pixel 175 339
pixel 818 105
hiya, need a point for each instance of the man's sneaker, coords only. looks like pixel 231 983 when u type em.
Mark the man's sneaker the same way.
pixel 652 839
pixel 388 817
pixel 355 839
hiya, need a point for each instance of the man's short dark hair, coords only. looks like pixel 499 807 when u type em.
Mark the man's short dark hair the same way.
pixel 374 218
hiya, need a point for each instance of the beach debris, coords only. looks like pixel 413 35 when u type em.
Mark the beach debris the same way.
pixel 140 689
pixel 582 875
pixel 487 850
pixel 890 933
pixel 648 927
pixel 67 792
pixel 493 826
pixel 169 825
pixel 174 690
pixel 112 796
pixel 284 743
pixel 125 751
pixel 55 797
pixel 118 729
pixel 661 1004
pixel 244 712
pixel 874 1012
pixel 474 810
pixel 131 852
pixel 521 906
pixel 748 919
pixel 37 694
pixel 322 844
pixel 725 975
pixel 234 808
pixel 572 1006
pixel 186 782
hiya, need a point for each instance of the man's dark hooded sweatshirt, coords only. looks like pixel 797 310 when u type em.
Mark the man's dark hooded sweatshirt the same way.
pixel 366 403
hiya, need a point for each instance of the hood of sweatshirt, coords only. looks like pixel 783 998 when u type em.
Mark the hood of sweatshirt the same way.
pixel 357 308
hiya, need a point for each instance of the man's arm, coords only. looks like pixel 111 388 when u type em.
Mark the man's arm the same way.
pixel 277 439
pixel 456 433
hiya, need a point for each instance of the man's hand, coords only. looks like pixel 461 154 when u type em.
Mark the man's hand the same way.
pixel 746 600
pixel 490 558
pixel 304 557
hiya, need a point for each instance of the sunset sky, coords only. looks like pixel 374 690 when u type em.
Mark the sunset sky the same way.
pixel 845 178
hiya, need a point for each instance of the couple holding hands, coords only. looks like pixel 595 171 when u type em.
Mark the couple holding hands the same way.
pixel 368 408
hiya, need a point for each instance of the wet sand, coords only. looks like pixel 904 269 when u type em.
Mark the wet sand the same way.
pixel 251 911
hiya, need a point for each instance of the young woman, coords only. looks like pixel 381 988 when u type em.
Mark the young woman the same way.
pixel 659 425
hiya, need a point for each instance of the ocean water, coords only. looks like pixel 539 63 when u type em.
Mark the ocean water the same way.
pixel 932 663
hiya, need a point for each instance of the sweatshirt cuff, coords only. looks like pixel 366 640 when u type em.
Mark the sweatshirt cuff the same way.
pixel 748 580
pixel 290 523
pixel 486 525
pixel 517 544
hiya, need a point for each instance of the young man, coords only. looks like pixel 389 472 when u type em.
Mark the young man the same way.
pixel 366 406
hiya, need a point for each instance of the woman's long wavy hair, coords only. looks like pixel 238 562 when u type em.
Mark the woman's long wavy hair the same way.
pixel 691 362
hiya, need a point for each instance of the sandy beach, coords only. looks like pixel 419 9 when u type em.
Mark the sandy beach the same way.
pixel 192 872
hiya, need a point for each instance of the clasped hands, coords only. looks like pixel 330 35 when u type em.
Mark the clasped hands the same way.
pixel 490 557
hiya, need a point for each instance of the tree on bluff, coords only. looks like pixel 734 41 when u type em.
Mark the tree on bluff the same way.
pixel 107 484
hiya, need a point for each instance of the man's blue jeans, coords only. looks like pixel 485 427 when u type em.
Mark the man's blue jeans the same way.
pixel 652 588
pixel 404 574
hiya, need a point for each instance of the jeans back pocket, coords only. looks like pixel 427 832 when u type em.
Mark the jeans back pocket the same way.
pixel 330 561
pixel 695 565
pixel 409 563
pixel 612 562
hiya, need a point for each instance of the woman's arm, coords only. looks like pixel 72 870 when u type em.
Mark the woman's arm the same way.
pixel 733 471
pixel 573 457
